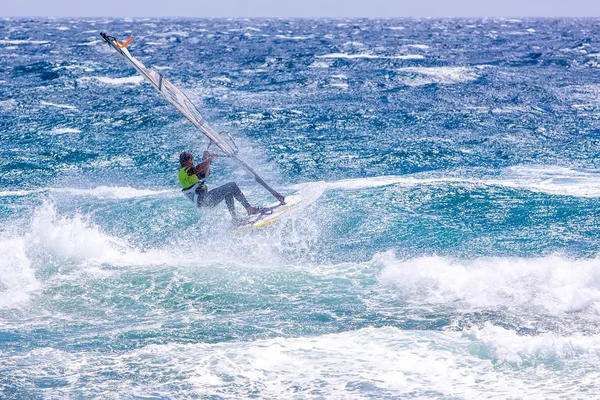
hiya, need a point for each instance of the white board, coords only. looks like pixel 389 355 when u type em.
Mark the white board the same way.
pixel 307 194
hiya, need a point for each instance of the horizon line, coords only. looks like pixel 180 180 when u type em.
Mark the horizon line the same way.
pixel 305 17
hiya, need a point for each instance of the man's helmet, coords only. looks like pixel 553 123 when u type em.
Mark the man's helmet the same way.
pixel 185 157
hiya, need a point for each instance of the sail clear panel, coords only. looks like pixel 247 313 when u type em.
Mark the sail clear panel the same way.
pixel 174 96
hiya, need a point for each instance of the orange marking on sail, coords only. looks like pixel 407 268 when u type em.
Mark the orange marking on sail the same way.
pixel 119 45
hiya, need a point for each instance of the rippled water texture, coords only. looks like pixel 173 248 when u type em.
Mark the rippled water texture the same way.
pixel 453 254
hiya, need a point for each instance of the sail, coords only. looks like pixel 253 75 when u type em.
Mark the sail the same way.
pixel 178 99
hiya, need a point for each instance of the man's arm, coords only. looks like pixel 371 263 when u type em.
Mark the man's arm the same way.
pixel 203 168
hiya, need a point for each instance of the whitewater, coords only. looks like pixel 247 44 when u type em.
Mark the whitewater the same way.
pixel 453 255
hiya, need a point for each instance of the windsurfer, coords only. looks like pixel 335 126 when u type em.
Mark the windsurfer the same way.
pixel 191 179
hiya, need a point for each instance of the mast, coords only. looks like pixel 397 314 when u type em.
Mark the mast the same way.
pixel 180 101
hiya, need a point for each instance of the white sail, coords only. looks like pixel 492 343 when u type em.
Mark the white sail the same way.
pixel 178 99
pixel 173 96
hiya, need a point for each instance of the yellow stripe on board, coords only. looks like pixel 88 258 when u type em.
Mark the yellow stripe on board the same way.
pixel 265 223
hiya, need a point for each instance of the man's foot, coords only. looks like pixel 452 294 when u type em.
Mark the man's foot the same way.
pixel 254 210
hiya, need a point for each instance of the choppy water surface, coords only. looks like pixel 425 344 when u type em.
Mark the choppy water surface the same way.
pixel 453 255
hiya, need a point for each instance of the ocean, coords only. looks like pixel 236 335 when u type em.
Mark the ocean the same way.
pixel 452 255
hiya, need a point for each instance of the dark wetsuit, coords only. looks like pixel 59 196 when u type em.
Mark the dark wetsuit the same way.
pixel 227 192
pixel 195 189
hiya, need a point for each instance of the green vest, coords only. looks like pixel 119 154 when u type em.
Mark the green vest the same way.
pixel 187 181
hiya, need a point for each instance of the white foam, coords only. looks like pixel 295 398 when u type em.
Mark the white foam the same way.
pixel 514 110
pixel 311 191
pixel 365 363
pixel 340 85
pixel 410 57
pixel 223 79
pixel 319 64
pixel 66 106
pixel 113 192
pixel 506 346
pixel 354 44
pixel 419 46
pixel 101 192
pixel 587 94
pixel 419 76
pixel 62 131
pixel 24 41
pixel 246 28
pixel 130 80
pixel 17 278
pixel 344 365
pixel 371 56
pixel 9 104
pixel 555 284
pixel 387 180
pixel 254 71
pixel 70 239
pixel 294 37
pixel 550 180
pixel 90 43
pixel 75 240
pixel 17 193
pixel 553 180
pixel 119 160
pixel 344 55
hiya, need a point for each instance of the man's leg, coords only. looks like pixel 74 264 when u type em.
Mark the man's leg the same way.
pixel 230 205
pixel 226 192
pixel 239 196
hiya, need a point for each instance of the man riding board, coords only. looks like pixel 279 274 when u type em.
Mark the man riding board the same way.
pixel 191 179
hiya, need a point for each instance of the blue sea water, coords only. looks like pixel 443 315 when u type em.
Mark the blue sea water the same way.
pixel 453 254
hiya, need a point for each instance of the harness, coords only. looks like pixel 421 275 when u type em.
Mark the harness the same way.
pixel 193 193
pixel 193 187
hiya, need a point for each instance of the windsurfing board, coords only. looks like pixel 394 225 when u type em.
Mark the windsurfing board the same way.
pixel 307 194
